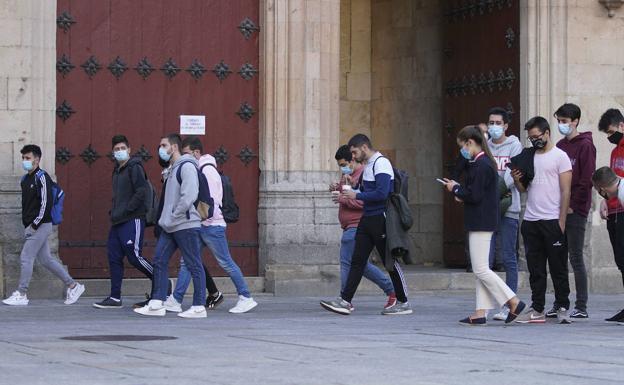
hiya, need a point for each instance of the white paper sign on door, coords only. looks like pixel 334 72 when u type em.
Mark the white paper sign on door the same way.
pixel 192 124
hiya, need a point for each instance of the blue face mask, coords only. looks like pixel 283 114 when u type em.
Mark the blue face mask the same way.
pixel 465 153
pixel 164 155
pixel 565 129
pixel 27 165
pixel 346 170
pixel 495 131
pixel 121 155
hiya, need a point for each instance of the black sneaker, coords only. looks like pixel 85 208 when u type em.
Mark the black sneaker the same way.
pixel 142 303
pixel 619 317
pixel 552 313
pixel 169 287
pixel 214 300
pixel 108 303
pixel 579 314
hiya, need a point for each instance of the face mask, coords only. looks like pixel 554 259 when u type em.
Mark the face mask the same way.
pixel 603 194
pixel 27 165
pixel 616 137
pixel 163 154
pixel 538 143
pixel 346 170
pixel 465 153
pixel 121 155
pixel 565 129
pixel 495 131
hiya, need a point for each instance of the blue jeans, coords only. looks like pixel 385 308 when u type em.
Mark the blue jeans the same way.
pixel 214 237
pixel 508 232
pixel 188 241
pixel 372 272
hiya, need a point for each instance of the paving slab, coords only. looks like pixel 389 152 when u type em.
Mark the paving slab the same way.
pixel 291 340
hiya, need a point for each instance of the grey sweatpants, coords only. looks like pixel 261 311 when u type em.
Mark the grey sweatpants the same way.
pixel 36 247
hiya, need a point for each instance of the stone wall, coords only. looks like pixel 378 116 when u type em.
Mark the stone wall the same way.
pixel 299 117
pixel 406 107
pixel 27 105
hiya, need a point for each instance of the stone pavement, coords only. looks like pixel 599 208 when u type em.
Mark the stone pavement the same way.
pixel 291 340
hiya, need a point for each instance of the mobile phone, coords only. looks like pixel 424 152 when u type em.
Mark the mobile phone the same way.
pixel 440 180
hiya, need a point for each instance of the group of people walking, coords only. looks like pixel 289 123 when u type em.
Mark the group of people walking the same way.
pixel 557 179
pixel 190 179
pixel 493 171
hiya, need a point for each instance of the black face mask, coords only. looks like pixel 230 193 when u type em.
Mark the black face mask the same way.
pixel 538 143
pixel 616 137
pixel 603 194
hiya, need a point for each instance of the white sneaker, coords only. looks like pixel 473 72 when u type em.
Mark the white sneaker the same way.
pixel 154 308
pixel 243 305
pixel 171 304
pixel 194 312
pixel 502 314
pixel 16 299
pixel 74 294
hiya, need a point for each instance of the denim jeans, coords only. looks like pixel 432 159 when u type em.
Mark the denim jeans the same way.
pixel 188 243
pixel 508 234
pixel 214 237
pixel 372 272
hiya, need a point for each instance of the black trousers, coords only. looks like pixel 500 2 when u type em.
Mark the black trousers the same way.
pixel 544 243
pixel 371 232
pixel 615 226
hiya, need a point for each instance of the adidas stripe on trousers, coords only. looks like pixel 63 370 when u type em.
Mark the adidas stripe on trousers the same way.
pixel 126 240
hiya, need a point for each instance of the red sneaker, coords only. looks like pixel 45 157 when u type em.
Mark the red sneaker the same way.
pixel 392 300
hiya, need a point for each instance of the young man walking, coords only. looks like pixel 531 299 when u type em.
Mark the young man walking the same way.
pixel 612 124
pixel 180 222
pixel 374 190
pixel 544 222
pixel 127 215
pixel 504 148
pixel 213 233
pixel 37 202
pixel 580 148
pixel 349 214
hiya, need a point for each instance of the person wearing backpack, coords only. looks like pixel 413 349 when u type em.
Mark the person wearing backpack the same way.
pixel 377 185
pixel 213 231
pixel 129 207
pixel 180 221
pixel 40 197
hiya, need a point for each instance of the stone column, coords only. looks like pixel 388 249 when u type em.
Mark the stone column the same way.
pixel 299 133
pixel 27 105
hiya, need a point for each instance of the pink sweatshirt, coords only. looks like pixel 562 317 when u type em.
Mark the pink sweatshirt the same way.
pixel 216 189
pixel 350 210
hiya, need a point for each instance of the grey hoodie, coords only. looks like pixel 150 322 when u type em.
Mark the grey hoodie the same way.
pixel 502 154
pixel 180 199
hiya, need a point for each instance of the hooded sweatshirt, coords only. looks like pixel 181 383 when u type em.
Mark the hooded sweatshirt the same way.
pixel 617 165
pixel 502 154
pixel 129 192
pixel 350 210
pixel 208 166
pixel 180 198
pixel 582 154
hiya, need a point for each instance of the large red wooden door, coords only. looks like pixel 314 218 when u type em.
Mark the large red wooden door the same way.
pixel 480 71
pixel 133 67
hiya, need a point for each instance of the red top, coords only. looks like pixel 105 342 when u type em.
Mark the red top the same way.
pixel 617 164
pixel 350 210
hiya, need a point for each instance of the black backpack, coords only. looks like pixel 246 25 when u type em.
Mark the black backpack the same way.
pixel 204 203
pixel 151 200
pixel 228 207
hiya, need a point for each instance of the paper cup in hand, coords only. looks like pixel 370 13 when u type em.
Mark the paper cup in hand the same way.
pixel 346 187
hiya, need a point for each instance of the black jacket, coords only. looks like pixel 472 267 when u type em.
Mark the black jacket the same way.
pixel 36 199
pixel 480 196
pixel 398 221
pixel 524 162
pixel 129 192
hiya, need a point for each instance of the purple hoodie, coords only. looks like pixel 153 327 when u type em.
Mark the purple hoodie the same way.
pixel 582 154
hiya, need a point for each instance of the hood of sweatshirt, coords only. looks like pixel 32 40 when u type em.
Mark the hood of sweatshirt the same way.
pixel 580 138
pixel 207 159
pixel 510 141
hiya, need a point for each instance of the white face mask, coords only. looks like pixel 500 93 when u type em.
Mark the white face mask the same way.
pixel 121 155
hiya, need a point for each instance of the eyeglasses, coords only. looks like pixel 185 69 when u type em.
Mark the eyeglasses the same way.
pixel 536 137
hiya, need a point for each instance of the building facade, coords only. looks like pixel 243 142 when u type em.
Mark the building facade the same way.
pixel 326 70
